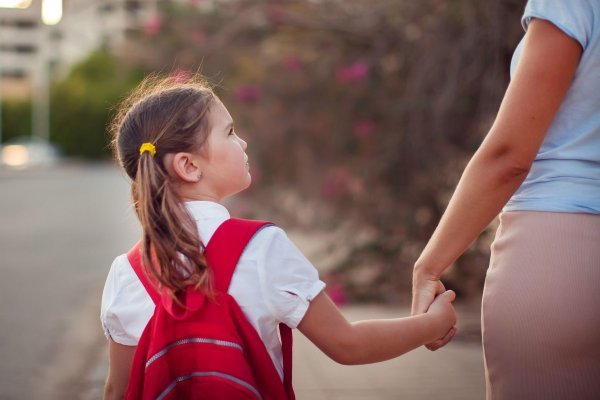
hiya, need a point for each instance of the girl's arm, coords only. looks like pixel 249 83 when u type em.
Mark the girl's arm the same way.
pixel 545 71
pixel 120 358
pixel 372 341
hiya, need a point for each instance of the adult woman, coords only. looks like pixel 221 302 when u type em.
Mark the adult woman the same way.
pixel 540 165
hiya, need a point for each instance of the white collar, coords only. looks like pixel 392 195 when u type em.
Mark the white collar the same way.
pixel 203 210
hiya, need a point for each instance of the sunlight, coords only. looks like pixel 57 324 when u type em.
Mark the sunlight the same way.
pixel 52 11
pixel 15 3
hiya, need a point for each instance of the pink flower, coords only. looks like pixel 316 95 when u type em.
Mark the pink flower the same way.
pixel 364 127
pixel 353 73
pixel 292 63
pixel 153 25
pixel 335 289
pixel 180 75
pixel 337 294
pixel 248 93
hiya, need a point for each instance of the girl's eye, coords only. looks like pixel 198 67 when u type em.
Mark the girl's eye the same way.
pixel 231 132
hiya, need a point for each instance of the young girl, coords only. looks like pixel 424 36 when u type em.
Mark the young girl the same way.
pixel 178 145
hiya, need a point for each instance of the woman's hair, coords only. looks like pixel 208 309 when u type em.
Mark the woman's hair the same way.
pixel 174 117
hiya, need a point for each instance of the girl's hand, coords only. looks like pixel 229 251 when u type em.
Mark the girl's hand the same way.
pixel 444 313
pixel 425 289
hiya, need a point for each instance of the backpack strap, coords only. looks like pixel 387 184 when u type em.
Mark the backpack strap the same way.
pixel 135 259
pixel 227 245
pixel 224 249
pixel 286 351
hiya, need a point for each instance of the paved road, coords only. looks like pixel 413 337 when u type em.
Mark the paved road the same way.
pixel 60 229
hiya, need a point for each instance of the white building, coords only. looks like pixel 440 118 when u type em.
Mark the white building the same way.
pixel 30 50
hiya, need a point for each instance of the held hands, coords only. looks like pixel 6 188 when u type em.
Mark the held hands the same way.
pixel 430 296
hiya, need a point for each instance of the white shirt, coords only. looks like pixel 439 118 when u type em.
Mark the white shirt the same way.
pixel 273 282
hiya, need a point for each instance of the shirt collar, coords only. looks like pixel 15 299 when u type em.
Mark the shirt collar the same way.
pixel 202 210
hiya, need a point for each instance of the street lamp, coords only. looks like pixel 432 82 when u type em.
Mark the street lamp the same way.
pixel 51 11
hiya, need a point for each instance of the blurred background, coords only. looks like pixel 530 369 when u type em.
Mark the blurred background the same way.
pixel 360 116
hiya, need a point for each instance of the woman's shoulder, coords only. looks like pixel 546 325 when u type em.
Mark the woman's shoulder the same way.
pixel 576 18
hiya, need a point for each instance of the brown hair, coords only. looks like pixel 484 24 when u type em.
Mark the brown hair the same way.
pixel 173 116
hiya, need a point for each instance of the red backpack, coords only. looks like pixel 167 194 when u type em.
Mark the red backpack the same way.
pixel 208 350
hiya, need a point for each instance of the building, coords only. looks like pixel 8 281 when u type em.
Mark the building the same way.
pixel 30 51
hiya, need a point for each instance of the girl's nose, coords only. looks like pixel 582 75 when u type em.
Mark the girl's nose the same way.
pixel 243 143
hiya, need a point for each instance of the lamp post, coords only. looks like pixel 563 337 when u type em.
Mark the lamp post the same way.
pixel 51 15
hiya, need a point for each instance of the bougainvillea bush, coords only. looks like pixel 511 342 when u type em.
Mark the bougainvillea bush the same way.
pixel 361 112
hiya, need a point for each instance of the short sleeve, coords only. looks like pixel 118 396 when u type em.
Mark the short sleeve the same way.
pixel 574 17
pixel 289 282
pixel 126 307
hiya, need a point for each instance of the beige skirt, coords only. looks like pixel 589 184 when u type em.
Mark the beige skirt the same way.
pixel 541 308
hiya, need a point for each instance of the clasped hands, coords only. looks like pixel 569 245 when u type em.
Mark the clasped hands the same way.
pixel 430 295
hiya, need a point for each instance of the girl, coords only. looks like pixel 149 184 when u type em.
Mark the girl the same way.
pixel 178 145
pixel 540 166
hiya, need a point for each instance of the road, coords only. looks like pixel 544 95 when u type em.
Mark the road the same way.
pixel 60 229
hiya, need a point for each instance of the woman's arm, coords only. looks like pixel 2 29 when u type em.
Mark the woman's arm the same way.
pixel 372 341
pixel 545 71
pixel 120 358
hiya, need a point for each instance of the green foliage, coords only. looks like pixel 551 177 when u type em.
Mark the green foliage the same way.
pixel 81 105
pixel 16 119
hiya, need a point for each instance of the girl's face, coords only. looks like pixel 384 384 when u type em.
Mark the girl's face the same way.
pixel 225 169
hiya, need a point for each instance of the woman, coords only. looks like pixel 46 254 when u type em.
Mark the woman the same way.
pixel 540 166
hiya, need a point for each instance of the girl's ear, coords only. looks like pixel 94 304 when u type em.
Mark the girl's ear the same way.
pixel 185 166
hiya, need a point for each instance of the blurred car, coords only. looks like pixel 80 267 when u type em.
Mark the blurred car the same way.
pixel 26 152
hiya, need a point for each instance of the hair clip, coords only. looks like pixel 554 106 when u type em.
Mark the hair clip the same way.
pixel 148 147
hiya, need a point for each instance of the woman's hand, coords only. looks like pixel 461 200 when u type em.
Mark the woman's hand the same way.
pixel 426 287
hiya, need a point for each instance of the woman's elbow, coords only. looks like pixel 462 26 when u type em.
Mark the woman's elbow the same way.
pixel 515 168
pixel 508 163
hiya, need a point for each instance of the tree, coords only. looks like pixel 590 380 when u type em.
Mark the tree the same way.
pixel 81 104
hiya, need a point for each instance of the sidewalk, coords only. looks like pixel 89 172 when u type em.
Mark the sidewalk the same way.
pixel 454 372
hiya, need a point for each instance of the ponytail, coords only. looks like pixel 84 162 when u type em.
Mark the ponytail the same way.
pixel 171 247
pixel 169 119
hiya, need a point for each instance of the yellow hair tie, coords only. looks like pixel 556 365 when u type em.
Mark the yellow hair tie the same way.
pixel 148 147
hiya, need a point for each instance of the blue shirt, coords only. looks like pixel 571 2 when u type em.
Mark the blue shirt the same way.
pixel 565 176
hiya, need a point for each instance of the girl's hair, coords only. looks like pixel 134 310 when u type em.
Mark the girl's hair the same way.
pixel 173 116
